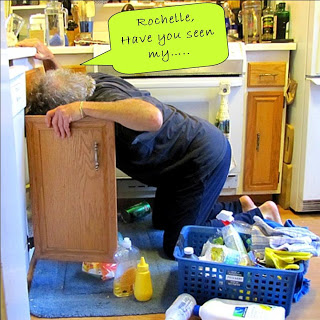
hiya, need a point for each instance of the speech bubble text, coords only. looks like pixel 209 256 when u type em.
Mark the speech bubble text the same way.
pixel 167 38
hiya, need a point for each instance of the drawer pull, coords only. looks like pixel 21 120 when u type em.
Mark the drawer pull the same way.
pixel 268 75
pixel 96 160
pixel 258 142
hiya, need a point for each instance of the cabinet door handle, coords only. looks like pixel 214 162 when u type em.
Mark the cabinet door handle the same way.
pixel 268 75
pixel 258 142
pixel 96 159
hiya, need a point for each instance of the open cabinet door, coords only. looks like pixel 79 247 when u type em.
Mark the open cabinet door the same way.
pixel 73 190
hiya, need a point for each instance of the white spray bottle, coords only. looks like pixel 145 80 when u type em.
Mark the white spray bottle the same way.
pixel 232 238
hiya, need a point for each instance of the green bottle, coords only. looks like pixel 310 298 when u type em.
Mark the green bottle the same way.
pixel 282 21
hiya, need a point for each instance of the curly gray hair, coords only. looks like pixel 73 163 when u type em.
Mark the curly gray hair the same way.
pixel 58 87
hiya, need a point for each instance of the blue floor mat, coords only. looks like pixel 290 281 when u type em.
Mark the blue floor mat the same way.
pixel 62 290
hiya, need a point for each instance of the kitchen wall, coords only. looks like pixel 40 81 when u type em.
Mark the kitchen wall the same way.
pixel 100 24
pixel 103 12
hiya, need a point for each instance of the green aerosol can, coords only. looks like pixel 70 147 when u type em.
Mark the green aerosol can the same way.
pixel 135 212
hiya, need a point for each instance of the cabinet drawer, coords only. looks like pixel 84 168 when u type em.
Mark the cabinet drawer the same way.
pixel 266 74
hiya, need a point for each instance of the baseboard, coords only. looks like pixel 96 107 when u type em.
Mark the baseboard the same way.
pixel 311 205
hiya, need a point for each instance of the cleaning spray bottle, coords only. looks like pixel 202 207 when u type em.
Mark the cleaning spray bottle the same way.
pixel 222 309
pixel 223 117
pixel 232 238
pixel 126 258
pixel 222 121
pixel 143 284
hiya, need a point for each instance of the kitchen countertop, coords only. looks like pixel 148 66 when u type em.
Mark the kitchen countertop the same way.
pixel 16 52
pixel 20 53
pixel 248 47
pixel 271 46
pixel 74 50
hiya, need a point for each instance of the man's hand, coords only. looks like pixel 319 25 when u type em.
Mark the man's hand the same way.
pixel 43 53
pixel 61 117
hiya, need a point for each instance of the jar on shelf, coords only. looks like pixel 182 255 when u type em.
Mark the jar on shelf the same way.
pixel 251 19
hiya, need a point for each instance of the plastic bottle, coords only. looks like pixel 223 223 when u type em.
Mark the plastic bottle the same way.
pixel 223 118
pixel 126 258
pixel 221 309
pixel 181 308
pixel 143 284
pixel 245 231
pixel 232 238
pixel 189 253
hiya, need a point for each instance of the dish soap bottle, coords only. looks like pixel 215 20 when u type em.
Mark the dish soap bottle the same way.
pixel 126 258
pixel 221 309
pixel 143 284
pixel 232 238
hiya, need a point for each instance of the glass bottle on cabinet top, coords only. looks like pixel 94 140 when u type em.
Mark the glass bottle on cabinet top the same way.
pixel 267 22
pixel 251 20
pixel 282 21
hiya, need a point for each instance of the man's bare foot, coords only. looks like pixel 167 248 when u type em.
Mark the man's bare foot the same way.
pixel 270 211
pixel 246 203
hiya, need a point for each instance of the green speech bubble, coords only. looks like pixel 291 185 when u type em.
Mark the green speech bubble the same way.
pixel 168 38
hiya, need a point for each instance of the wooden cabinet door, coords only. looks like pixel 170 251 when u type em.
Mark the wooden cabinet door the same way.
pixel 263 141
pixel 73 190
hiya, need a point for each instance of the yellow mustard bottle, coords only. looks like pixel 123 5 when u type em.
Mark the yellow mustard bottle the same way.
pixel 143 284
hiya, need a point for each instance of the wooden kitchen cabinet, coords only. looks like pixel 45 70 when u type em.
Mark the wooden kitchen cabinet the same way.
pixel 263 140
pixel 267 74
pixel 73 190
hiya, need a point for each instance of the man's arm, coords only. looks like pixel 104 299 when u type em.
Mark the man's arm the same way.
pixel 43 53
pixel 134 114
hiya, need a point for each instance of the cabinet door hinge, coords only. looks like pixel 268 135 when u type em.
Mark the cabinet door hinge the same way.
pixel 278 176
pixel 30 242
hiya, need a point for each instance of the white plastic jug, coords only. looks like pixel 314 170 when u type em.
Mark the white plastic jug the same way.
pixel 222 309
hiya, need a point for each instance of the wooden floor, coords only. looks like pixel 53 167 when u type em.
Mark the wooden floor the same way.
pixel 306 309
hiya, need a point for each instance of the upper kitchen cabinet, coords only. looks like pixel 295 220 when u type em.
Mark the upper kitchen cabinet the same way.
pixel 267 76
pixel 73 190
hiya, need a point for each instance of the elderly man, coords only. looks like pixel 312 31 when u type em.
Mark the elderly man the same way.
pixel 185 157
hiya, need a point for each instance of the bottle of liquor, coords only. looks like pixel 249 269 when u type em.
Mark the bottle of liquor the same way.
pixel 267 22
pixel 264 4
pixel 282 21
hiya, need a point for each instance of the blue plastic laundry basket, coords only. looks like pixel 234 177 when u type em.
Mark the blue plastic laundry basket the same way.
pixel 206 280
